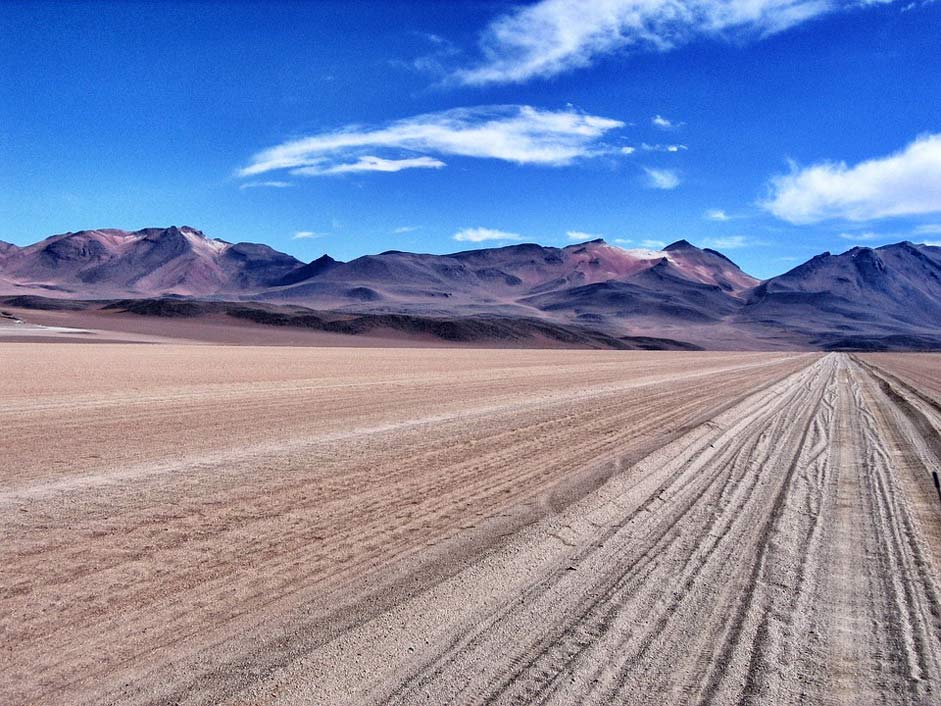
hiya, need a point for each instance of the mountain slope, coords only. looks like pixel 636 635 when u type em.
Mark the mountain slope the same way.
pixel 502 276
pixel 660 292
pixel 865 298
pixel 7 249
pixel 861 295
pixel 709 267
pixel 149 262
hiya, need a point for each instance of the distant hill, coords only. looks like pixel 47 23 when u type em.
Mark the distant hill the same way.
pixel 149 262
pixel 502 279
pixel 882 298
pixel 855 299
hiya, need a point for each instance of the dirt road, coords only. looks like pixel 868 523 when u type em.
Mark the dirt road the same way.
pixel 252 526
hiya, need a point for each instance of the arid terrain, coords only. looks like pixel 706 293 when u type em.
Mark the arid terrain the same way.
pixel 212 524
pixel 588 295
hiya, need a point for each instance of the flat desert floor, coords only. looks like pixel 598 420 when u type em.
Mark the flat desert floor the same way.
pixel 186 524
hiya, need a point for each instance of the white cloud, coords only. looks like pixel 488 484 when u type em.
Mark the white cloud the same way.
pixel 912 5
pixel 405 229
pixel 933 243
pixel 729 242
pixel 307 235
pixel 550 37
pixel 862 237
pixel 433 63
pixel 664 123
pixel 372 164
pixel 716 214
pixel 906 183
pixel 654 244
pixel 513 133
pixel 265 184
pixel 662 178
pixel 662 148
pixel 931 228
pixel 433 38
pixel 623 241
pixel 580 236
pixel 628 150
pixel 479 235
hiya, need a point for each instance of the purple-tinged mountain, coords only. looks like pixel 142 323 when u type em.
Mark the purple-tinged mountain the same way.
pixel 148 262
pixel 860 299
pixel 506 278
pixel 887 297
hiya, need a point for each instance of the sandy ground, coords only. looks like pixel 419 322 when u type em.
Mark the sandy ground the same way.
pixel 106 326
pixel 95 326
pixel 238 525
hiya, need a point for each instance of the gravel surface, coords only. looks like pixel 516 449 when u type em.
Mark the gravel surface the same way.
pixel 236 525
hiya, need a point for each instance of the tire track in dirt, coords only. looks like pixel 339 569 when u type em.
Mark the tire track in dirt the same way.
pixel 185 424
pixel 191 578
pixel 772 556
pixel 654 546
pixel 747 533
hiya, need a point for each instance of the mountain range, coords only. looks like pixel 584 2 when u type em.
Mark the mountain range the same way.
pixel 867 298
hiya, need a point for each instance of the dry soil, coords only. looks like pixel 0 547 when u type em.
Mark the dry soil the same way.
pixel 238 525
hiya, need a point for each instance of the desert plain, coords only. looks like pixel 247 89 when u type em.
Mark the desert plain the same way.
pixel 217 524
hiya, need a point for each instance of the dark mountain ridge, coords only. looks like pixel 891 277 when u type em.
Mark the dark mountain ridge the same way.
pixel 864 294
pixel 865 297
pixel 149 262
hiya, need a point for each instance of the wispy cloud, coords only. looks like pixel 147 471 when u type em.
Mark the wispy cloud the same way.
pixel 480 235
pixel 405 229
pixel 370 163
pixel 662 178
pixel 580 236
pixel 664 123
pixel 628 150
pixel 907 183
pixel 729 242
pixel 623 241
pixel 891 237
pixel 917 5
pixel 862 237
pixel 520 134
pixel 654 244
pixel 663 148
pixel 434 62
pixel 716 214
pixel 555 36
pixel 307 235
pixel 265 184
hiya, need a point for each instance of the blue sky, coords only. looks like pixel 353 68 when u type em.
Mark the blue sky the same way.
pixel 769 129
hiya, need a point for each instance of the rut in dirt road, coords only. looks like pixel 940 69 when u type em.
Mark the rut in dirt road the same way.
pixel 575 529
pixel 779 555
pixel 180 523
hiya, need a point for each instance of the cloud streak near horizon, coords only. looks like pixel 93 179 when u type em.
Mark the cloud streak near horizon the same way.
pixel 581 236
pixel 520 134
pixel 556 36
pixel 481 235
